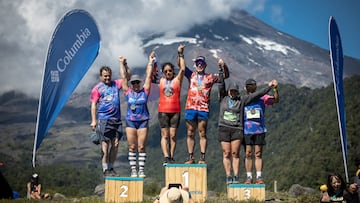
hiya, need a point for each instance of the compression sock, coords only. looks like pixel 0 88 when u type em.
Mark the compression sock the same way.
pixel 132 160
pixel 142 160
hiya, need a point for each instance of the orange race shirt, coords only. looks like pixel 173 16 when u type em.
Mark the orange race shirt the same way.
pixel 199 91
pixel 169 101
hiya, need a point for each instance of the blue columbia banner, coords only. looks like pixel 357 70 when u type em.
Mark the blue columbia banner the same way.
pixel 337 58
pixel 73 48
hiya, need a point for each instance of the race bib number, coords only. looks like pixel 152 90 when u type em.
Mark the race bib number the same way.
pixel 253 113
pixel 108 98
pixel 228 116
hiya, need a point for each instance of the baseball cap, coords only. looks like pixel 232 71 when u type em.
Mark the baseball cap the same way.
pixel 199 58
pixel 233 86
pixel 35 175
pixel 135 78
pixel 250 81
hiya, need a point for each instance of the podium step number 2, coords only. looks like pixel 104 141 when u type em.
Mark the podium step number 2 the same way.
pixel 123 189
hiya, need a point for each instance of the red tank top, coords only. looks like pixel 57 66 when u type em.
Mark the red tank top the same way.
pixel 169 101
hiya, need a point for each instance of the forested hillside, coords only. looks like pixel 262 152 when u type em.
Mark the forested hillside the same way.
pixel 303 141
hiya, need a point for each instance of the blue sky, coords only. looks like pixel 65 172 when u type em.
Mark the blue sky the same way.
pixel 308 20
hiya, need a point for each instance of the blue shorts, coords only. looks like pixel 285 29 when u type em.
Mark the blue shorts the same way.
pixel 192 115
pixel 137 124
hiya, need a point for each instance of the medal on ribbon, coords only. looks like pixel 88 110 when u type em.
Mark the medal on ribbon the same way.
pixel 199 78
pixel 167 92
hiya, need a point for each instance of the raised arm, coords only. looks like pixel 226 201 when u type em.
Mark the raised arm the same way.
pixel 226 71
pixel 224 67
pixel 147 83
pixel 221 83
pixel 258 94
pixel 181 63
pixel 124 73
pixel 276 93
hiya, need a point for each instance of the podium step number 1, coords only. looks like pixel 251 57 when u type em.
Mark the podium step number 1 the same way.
pixel 193 176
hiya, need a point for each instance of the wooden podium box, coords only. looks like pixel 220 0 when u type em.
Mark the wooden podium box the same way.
pixel 123 189
pixel 193 176
pixel 246 191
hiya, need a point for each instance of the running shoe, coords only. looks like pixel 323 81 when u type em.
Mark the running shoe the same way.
pixel 133 173
pixel 202 161
pixel 142 174
pixel 107 172
pixel 166 161
pixel 112 172
pixel 190 161
pixel 229 179
pixel 259 180
pixel 236 179
pixel 248 180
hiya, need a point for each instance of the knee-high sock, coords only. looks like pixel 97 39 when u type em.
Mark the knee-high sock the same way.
pixel 142 160
pixel 132 160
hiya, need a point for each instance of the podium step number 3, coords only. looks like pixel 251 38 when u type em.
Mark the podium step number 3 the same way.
pixel 246 192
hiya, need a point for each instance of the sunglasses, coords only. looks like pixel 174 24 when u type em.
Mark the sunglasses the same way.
pixel 200 63
pixel 168 71
pixel 135 82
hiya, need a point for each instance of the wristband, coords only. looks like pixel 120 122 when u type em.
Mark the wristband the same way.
pixel 125 64
pixel 275 89
pixel 181 54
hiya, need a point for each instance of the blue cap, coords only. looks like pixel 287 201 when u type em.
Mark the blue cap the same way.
pixel 199 58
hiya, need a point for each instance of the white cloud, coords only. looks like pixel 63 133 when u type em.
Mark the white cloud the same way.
pixel 27 26
pixel 277 15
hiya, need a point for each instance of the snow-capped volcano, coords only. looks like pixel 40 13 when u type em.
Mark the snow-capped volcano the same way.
pixel 252 49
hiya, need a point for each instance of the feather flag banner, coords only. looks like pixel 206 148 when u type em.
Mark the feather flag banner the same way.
pixel 73 48
pixel 337 60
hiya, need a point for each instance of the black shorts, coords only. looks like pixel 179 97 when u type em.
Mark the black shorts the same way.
pixel 256 139
pixel 227 134
pixel 109 129
pixel 169 120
